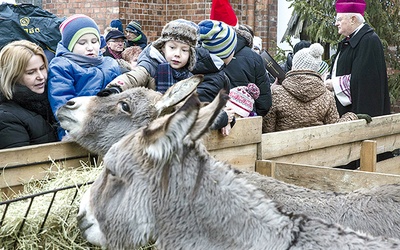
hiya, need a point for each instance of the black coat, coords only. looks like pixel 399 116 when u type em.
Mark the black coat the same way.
pixel 363 57
pixel 248 67
pixel 214 80
pixel 20 121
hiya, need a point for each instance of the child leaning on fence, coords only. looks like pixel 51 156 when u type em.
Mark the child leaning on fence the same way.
pixel 78 68
pixel 162 63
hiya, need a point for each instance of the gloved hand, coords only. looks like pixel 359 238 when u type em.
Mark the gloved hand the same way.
pixel 109 91
pixel 365 117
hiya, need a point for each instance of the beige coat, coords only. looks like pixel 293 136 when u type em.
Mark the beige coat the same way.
pixel 302 101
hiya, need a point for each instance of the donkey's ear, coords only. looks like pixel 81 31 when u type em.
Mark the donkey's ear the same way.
pixel 165 135
pixel 207 115
pixel 178 92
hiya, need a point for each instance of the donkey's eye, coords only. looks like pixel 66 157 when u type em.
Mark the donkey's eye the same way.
pixel 125 107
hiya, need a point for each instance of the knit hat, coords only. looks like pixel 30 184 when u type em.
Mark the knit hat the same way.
pixel 242 99
pixel 114 34
pixel 308 58
pixel 183 31
pixel 323 68
pixel 350 6
pixel 301 45
pixel 218 38
pixel 134 27
pixel 116 23
pixel 76 26
pixel 221 10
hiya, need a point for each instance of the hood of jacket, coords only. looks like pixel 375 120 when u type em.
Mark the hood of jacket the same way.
pixel 304 85
pixel 205 62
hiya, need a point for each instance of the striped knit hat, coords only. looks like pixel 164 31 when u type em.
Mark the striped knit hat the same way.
pixel 76 26
pixel 218 38
pixel 135 27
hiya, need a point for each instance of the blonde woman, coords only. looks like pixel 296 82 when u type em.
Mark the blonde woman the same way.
pixel 25 114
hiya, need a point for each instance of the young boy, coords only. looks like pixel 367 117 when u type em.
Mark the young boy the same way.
pixel 78 69
pixel 162 63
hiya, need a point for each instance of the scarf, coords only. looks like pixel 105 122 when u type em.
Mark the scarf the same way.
pixel 84 61
pixel 38 103
pixel 116 55
pixel 167 76
pixel 137 38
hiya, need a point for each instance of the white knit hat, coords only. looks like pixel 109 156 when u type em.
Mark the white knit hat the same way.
pixel 308 58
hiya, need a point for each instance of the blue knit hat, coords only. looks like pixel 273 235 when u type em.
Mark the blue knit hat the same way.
pixel 116 23
pixel 76 26
pixel 134 27
pixel 218 38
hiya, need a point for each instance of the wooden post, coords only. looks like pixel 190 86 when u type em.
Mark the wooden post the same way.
pixel 368 156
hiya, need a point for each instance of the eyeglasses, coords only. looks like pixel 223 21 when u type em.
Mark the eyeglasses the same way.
pixel 116 41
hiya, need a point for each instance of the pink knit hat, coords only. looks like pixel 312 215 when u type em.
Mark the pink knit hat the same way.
pixel 351 6
pixel 242 99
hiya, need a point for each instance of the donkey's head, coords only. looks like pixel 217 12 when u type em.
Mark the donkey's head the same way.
pixel 118 211
pixel 98 122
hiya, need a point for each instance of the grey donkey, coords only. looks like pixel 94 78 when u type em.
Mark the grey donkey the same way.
pixel 159 182
pixel 97 123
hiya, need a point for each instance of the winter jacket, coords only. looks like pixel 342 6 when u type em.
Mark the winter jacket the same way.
pixel 145 74
pixel 26 119
pixel 363 58
pixel 302 101
pixel 248 67
pixel 214 80
pixel 72 75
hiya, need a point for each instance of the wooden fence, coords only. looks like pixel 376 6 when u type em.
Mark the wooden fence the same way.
pixel 315 150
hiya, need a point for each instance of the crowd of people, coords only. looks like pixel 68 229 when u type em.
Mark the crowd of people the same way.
pixel 88 62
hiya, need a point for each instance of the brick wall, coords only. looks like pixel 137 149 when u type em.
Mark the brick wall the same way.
pixel 154 14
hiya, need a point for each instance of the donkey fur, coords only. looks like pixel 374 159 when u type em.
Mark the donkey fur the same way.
pixel 204 204
pixel 97 123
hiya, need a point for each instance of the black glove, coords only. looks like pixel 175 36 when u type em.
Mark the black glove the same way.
pixel 109 91
pixel 365 117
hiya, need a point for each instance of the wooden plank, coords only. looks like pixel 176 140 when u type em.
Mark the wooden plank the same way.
pixel 246 131
pixel 15 176
pixel 368 156
pixel 326 157
pixel 40 153
pixel 304 139
pixel 241 157
pixel 389 166
pixel 330 179
pixel 266 168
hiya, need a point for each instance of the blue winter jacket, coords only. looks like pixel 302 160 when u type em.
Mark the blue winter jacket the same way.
pixel 71 75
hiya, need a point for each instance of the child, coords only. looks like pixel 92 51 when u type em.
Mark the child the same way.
pixel 78 69
pixel 303 100
pixel 217 43
pixel 162 63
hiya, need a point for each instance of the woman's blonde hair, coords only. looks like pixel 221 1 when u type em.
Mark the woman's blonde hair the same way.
pixel 14 58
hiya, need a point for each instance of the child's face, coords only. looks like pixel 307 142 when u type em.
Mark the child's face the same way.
pixel 176 53
pixel 87 45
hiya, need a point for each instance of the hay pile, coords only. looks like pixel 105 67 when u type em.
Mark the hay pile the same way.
pixel 60 230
